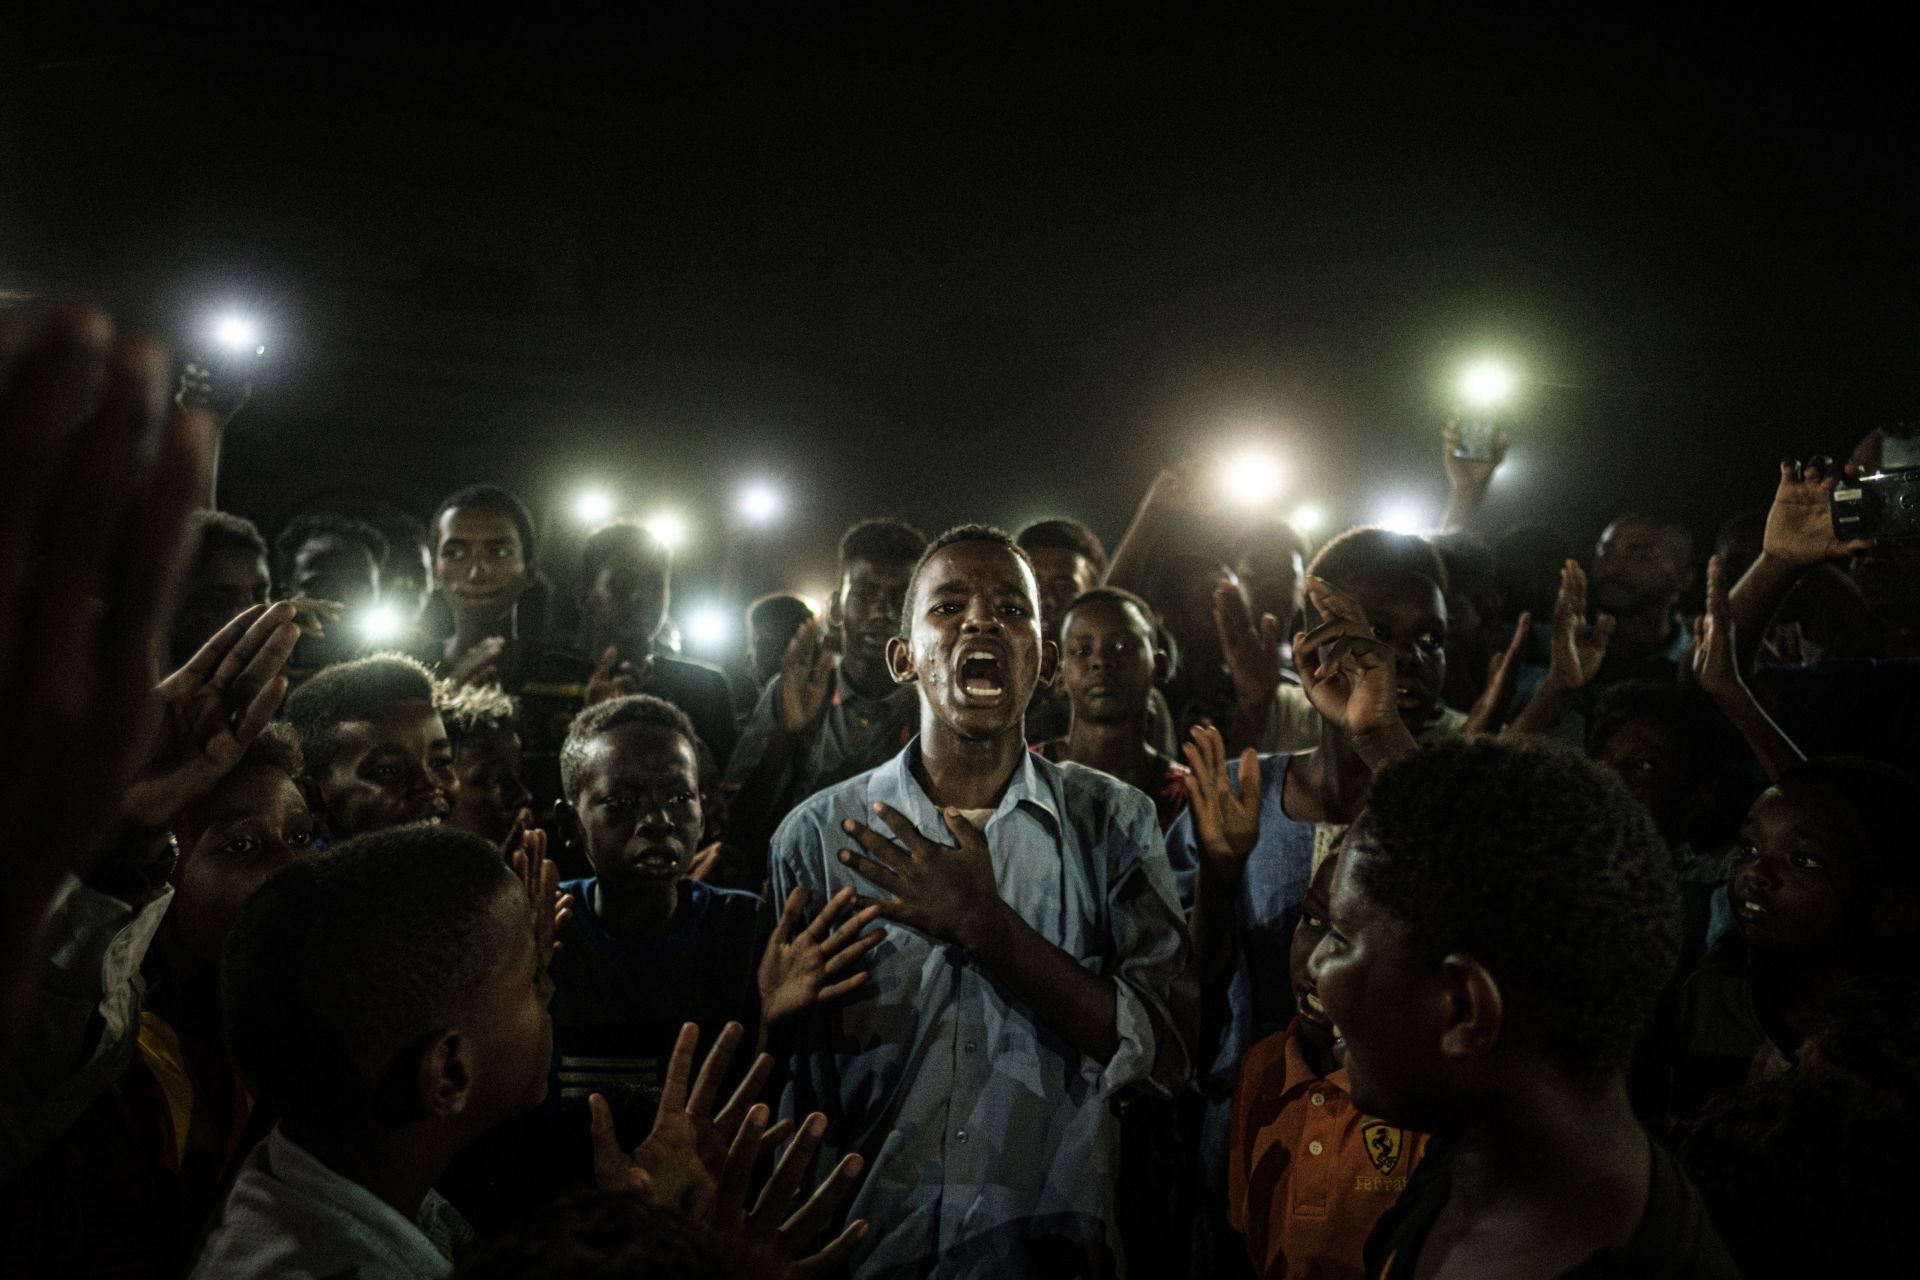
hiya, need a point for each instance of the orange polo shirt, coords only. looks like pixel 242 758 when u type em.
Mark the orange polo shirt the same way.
pixel 1307 1175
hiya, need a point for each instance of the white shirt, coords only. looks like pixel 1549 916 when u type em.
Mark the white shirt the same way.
pixel 288 1215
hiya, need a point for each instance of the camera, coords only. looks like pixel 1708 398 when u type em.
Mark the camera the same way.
pixel 1885 505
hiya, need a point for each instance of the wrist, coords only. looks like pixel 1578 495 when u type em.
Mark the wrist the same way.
pixel 983 931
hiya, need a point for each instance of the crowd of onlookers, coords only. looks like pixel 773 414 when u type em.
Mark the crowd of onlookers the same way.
pixel 1399 905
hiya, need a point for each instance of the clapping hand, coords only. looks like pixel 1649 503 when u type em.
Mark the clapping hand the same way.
pixel 1226 818
pixel 1578 648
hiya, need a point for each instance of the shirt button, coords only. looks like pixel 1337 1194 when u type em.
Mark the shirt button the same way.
pixel 1315 1148
pixel 1319 1099
pixel 961 1136
pixel 969 1046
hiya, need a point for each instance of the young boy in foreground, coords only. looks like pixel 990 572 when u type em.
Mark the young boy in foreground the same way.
pixel 1503 919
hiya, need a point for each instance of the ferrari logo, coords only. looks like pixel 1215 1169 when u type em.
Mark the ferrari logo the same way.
pixel 1383 1144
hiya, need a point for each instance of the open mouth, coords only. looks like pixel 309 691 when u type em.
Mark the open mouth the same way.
pixel 1751 909
pixel 1407 697
pixel 660 860
pixel 982 676
pixel 1312 1010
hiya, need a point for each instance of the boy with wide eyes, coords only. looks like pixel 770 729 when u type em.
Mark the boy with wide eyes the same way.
pixel 1308 1174
pixel 1824 890
pixel 377 754
pixel 1109 660
pixel 1502 921
pixel 649 949
pixel 1033 971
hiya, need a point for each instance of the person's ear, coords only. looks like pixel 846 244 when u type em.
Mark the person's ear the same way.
pixel 1049 663
pixel 834 618
pixel 900 662
pixel 444 1075
pixel 1475 1011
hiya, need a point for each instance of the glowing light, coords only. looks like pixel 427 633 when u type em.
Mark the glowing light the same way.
pixel 593 506
pixel 1308 517
pixel 237 333
pixel 1487 384
pixel 760 503
pixel 1251 478
pixel 709 628
pixel 382 624
pixel 1403 515
pixel 669 527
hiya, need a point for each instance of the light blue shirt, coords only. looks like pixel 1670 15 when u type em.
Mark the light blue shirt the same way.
pixel 991 1142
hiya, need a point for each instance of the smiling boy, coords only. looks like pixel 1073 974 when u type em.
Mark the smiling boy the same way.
pixel 1034 964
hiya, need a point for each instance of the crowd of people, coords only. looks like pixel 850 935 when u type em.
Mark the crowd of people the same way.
pixel 1457 904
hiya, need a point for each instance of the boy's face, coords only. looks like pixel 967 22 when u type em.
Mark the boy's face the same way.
pixel 1107 663
pixel 221 585
pixel 1643 756
pixel 639 808
pixel 331 568
pixel 626 603
pixel 1791 883
pixel 871 594
pixel 480 568
pixel 1315 1026
pixel 1638 565
pixel 1062 575
pixel 1409 613
pixel 508 1024
pixel 252 825
pixel 1383 1005
pixel 389 771
pixel 974 643
pixel 491 794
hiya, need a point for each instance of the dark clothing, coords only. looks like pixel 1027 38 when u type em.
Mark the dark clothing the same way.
pixel 618 1006
pixel 772 771
pixel 1718 1040
pixel 700 689
pixel 1855 707
pixel 1050 716
pixel 1674 1240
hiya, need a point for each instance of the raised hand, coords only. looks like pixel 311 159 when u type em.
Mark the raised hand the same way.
pixel 803 967
pixel 1578 648
pixel 614 678
pixel 806 677
pixel 1470 473
pixel 92 550
pixel 210 711
pixel 944 891
pixel 768 1227
pixel 1349 673
pixel 1253 653
pixel 1800 524
pixel 680 1163
pixel 1502 667
pixel 1712 663
pixel 540 880
pixel 1226 819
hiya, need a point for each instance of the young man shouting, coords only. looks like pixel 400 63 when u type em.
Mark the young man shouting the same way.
pixel 1035 963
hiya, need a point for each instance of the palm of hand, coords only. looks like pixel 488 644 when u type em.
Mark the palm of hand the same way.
pixel 1799 529
pixel 678 1165
pixel 790 975
pixel 1580 656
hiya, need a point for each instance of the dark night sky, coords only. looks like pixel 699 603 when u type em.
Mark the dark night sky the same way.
pixel 966 266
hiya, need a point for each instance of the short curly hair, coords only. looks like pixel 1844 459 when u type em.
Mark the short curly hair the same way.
pixel 363 689
pixel 1065 535
pixel 486 497
pixel 474 711
pixel 1117 596
pixel 635 708
pixel 963 533
pixel 1538 864
pixel 1367 550
pixel 323 524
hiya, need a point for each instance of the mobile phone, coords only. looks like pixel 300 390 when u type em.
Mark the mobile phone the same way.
pixel 1885 505
pixel 1476 436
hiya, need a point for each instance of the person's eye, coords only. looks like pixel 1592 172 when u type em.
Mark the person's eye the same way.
pixel 440 764
pixel 1379 633
pixel 1804 862
pixel 1745 852
pixel 946 606
pixel 683 798
pixel 242 847
pixel 1433 640
pixel 384 772
pixel 300 839
pixel 1312 921
pixel 1015 608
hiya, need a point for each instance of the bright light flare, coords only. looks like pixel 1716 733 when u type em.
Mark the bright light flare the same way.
pixel 760 503
pixel 382 624
pixel 1487 385
pixel 709 628
pixel 237 333
pixel 593 506
pixel 1308 518
pixel 669 528
pixel 1251 478
pixel 1403 515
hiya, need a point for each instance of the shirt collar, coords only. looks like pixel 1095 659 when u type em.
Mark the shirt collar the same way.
pixel 1036 786
pixel 1295 1074
pixel 418 1246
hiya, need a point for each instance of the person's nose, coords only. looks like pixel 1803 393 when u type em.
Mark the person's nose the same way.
pixel 980 616
pixel 655 823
